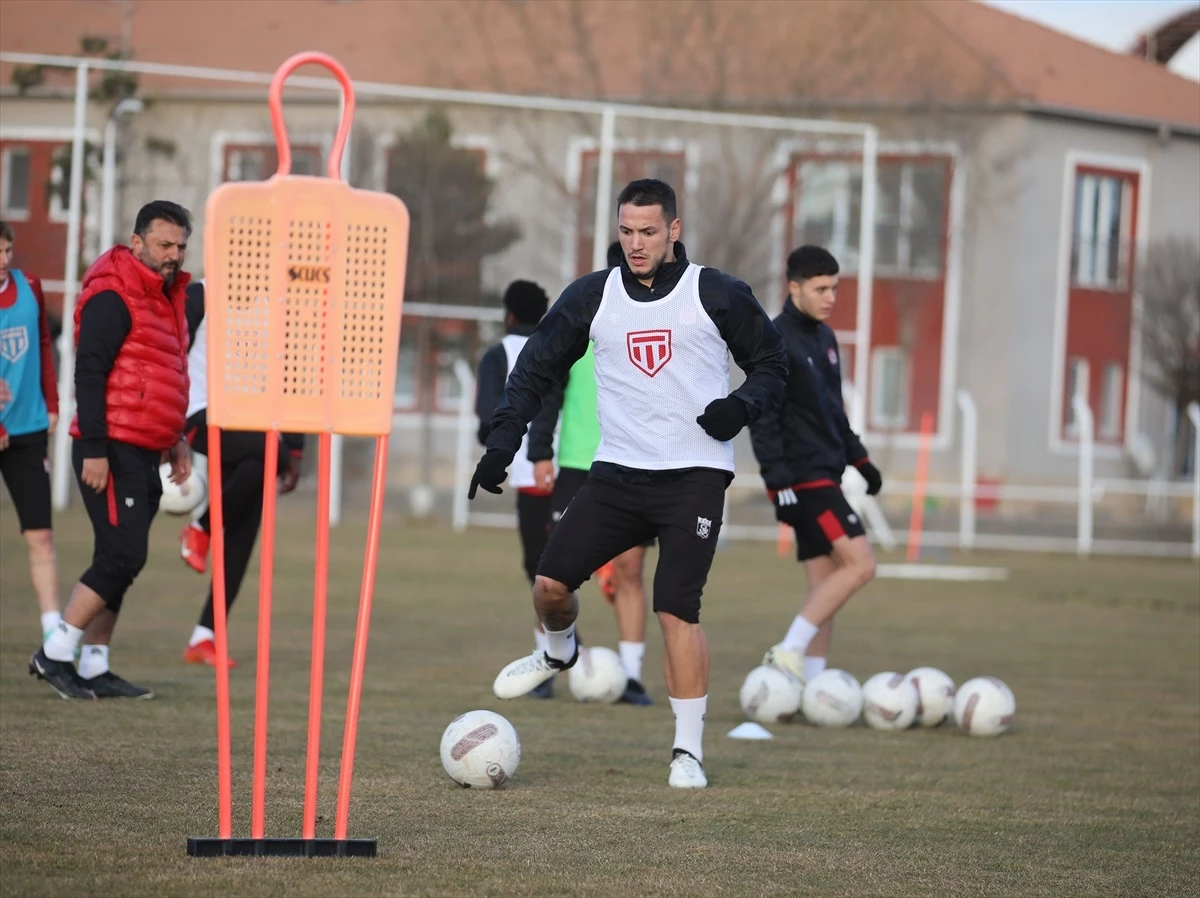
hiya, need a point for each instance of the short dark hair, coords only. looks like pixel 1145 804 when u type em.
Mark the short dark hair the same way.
pixel 810 262
pixel 526 301
pixel 6 232
pixel 162 210
pixel 616 255
pixel 650 192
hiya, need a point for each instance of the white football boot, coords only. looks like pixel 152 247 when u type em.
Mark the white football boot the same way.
pixel 527 673
pixel 787 660
pixel 686 772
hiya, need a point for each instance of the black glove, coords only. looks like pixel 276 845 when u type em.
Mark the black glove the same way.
pixel 870 474
pixel 491 471
pixel 723 418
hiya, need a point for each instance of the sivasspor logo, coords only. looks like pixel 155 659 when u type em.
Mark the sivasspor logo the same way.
pixel 309 273
pixel 649 350
pixel 14 343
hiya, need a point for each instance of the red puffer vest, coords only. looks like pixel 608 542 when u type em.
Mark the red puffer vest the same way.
pixel 147 393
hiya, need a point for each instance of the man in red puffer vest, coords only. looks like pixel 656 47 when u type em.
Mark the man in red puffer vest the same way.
pixel 131 392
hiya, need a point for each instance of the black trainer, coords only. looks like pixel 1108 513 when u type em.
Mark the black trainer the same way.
pixel 635 694
pixel 61 675
pixel 543 690
pixel 109 685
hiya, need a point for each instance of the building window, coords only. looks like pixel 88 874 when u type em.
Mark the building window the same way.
pixel 14 183
pixel 889 388
pixel 1077 385
pixel 1103 231
pixel 1111 389
pixel 628 166
pixel 258 162
pixel 910 213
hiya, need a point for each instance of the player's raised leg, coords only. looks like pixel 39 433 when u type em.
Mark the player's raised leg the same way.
pixel 600 525
pixel 847 568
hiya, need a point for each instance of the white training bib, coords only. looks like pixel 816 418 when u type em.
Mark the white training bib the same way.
pixel 520 472
pixel 198 369
pixel 658 364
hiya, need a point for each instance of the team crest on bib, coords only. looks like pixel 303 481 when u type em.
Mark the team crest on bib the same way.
pixel 14 343
pixel 649 350
pixel 703 527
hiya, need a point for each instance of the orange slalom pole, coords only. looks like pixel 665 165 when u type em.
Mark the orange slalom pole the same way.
pixel 216 513
pixel 374 524
pixel 917 518
pixel 316 679
pixel 263 667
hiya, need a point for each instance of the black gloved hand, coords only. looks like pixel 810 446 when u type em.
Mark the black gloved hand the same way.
pixel 870 474
pixel 491 471
pixel 723 418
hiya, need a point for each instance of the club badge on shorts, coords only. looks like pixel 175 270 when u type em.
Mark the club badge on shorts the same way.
pixel 703 527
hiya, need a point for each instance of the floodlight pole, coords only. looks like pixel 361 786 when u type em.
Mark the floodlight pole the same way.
pixel 866 279
pixel 66 341
pixel 604 179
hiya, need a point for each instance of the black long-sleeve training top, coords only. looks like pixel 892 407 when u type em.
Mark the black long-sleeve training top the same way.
pixel 807 437
pixel 561 339
pixel 489 388
pixel 103 326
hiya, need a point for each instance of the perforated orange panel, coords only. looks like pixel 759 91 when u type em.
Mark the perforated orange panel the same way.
pixel 304 288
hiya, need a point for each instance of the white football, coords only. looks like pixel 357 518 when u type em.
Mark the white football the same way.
pixel 770 695
pixel 480 749
pixel 889 702
pixel 935 695
pixel 833 698
pixel 984 706
pixel 180 499
pixel 597 675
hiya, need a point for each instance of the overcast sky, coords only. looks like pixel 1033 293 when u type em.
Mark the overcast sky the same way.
pixel 1114 24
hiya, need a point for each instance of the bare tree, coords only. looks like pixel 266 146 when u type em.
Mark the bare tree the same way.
pixel 1169 285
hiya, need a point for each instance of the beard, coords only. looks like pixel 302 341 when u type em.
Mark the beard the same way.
pixel 168 270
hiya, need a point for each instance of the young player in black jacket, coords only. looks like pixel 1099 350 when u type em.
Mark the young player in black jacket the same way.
pixel 803 446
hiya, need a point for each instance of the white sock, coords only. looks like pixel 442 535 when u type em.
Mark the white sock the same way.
pixel 631 658
pixel 201 634
pixel 689 724
pixel 60 645
pixel 799 635
pixel 93 661
pixel 560 644
pixel 50 620
pixel 540 643
pixel 812 667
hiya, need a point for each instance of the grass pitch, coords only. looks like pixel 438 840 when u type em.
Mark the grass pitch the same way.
pixel 1095 792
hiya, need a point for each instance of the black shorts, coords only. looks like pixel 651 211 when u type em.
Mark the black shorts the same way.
pixel 25 467
pixel 533 523
pixel 820 516
pixel 566 484
pixel 121 516
pixel 606 518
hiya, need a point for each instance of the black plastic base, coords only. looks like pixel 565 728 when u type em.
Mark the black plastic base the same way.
pixel 208 847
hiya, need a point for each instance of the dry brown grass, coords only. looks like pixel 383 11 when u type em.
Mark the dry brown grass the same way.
pixel 1096 792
